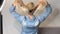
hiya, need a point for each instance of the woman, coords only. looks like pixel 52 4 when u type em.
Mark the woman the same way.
pixel 30 22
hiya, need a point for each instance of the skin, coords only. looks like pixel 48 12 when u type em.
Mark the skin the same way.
pixel 30 6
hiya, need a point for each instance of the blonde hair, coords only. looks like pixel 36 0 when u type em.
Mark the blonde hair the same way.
pixel 30 5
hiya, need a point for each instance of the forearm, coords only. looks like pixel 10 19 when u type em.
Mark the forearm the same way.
pixel 35 8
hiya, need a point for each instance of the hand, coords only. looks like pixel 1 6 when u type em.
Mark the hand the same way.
pixel 43 2
pixel 18 2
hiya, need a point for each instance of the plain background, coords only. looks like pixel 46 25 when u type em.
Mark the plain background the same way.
pixel 11 26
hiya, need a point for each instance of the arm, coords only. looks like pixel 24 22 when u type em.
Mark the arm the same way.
pixel 15 14
pixel 35 7
pixel 46 13
pixel 40 3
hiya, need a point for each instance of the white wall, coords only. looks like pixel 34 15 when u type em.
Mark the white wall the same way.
pixel 11 26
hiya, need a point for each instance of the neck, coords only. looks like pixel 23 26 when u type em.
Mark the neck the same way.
pixel 30 16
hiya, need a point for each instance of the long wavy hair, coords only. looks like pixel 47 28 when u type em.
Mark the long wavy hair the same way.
pixel 30 6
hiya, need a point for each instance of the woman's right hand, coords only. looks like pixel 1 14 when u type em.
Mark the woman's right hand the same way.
pixel 18 2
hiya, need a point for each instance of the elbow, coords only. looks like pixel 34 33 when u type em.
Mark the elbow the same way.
pixel 49 8
pixel 12 8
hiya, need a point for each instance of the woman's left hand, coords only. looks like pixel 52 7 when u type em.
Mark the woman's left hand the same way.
pixel 43 2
